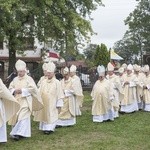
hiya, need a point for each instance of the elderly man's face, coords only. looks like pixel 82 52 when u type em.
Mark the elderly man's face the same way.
pixel 129 72
pixel 110 73
pixel 136 72
pixel 21 73
pixel 66 76
pixel 50 75
pixel 72 74
pixel 101 78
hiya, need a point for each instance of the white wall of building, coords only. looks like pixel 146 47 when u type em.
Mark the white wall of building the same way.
pixel 28 53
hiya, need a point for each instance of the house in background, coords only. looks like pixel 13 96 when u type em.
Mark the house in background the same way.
pixel 33 55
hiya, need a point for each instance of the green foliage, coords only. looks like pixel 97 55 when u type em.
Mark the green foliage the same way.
pixel 127 47
pixel 63 21
pixel 138 22
pixel 136 40
pixel 89 53
pixel 101 56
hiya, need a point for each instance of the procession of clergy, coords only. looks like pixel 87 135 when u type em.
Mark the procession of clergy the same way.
pixel 55 103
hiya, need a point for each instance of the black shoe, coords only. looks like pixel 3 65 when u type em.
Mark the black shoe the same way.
pixel 21 137
pixel 121 112
pixel 51 131
pixel 69 126
pixel 16 137
pixel 58 126
pixel 47 132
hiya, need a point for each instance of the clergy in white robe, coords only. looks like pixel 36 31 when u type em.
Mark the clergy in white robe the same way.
pixel 121 75
pixel 129 102
pixel 102 96
pixel 52 96
pixel 146 89
pixel 25 91
pixel 77 88
pixel 8 107
pixel 117 88
pixel 67 116
pixel 44 76
pixel 139 89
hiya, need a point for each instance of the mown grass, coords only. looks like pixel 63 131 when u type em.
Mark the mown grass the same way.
pixel 128 132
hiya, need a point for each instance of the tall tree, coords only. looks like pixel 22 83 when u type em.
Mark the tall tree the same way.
pixel 63 21
pixel 89 53
pixel 127 47
pixel 136 40
pixel 102 56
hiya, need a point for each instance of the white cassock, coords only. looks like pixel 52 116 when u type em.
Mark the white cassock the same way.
pixel 50 126
pixel 102 96
pixel 146 93
pixel 139 88
pixel 52 96
pixel 23 126
pixel 29 101
pixel 129 102
pixel 67 115
pixel 3 133
pixel 8 107
pixel 117 92
pixel 78 92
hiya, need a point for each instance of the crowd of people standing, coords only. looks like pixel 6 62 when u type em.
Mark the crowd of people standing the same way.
pixel 125 91
pixel 55 103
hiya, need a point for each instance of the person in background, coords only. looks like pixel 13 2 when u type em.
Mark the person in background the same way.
pixel 25 91
pixel 146 89
pixel 117 88
pixel 77 88
pixel 124 66
pixel 121 74
pixel 52 96
pixel 129 103
pixel 102 96
pixel 44 76
pixel 67 113
pixel 139 89
pixel 8 107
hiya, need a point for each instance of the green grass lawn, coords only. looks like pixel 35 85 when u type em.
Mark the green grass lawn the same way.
pixel 128 132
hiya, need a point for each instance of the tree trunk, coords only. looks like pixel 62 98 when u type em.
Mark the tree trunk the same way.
pixel 12 53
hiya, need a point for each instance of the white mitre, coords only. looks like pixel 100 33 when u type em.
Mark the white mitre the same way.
pixel 136 67
pixel 50 67
pixel 124 65
pixel 146 68
pixel 101 70
pixel 73 68
pixel 129 67
pixel 121 70
pixel 110 67
pixel 20 65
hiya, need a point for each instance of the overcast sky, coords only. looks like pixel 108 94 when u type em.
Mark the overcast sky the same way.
pixel 108 21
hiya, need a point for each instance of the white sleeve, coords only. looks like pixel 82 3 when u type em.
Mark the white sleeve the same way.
pixel 132 84
pixel 59 103
pixel 68 93
pixel 148 86
pixel 12 91
pixel 25 92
